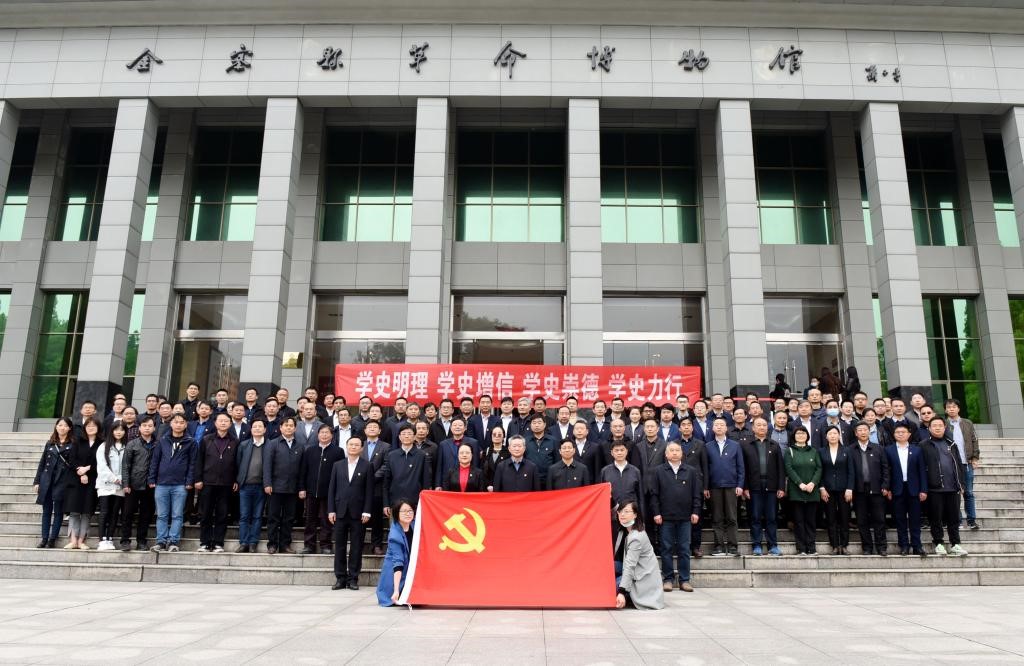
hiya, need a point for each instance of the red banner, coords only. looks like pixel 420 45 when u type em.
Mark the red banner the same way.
pixel 522 550
pixel 429 382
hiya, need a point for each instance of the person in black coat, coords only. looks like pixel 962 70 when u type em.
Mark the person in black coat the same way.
pixel 588 450
pixel 909 490
pixel 375 448
pixel 696 456
pixel 281 483
pixel 836 490
pixel 870 479
pixel 569 472
pixel 676 496
pixel 517 474
pixel 80 484
pixel 349 503
pixel 764 486
pixel 407 471
pixel 494 454
pixel 215 481
pixel 51 478
pixel 314 488
pixel 946 474
pixel 466 478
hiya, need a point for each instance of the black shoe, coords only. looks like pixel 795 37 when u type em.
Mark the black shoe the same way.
pixel 867 550
pixel 142 545
pixel 41 544
pixel 326 550
pixel 244 548
pixel 920 551
pixel 734 552
pixel 52 543
pixel 126 546
pixel 308 551
pixel 883 552
pixel 718 551
pixel 353 585
pixel 973 525
pixel 904 551
pixel 272 550
pixel 339 584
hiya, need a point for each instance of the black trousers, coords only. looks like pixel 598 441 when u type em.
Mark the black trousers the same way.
pixel 110 513
pixel 906 513
pixel 280 519
pixel 805 519
pixel 723 516
pixel 944 508
pixel 213 502
pixel 837 517
pixel 143 503
pixel 377 521
pixel 348 531
pixel 317 523
pixel 870 520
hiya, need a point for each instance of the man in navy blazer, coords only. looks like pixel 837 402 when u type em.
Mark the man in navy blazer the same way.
pixel 667 427
pixel 448 451
pixel 726 477
pixel 702 423
pixel 479 425
pixel 349 507
pixel 908 489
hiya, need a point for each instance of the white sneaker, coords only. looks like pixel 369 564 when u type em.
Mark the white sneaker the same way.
pixel 202 549
pixel 957 550
pixel 105 545
pixel 940 550
pixel 218 549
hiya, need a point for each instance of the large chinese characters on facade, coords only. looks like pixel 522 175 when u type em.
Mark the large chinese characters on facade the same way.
pixel 633 384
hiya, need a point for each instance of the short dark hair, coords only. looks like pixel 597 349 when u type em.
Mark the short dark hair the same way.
pixel 407 426
pixel 396 506
pixel 287 419
pixel 190 384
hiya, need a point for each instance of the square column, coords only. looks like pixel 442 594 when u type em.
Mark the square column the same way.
pixel 101 368
pixel 716 326
pixel 428 290
pixel 741 249
pixel 895 252
pixel 153 366
pixel 858 311
pixel 995 328
pixel 585 288
pixel 1013 147
pixel 21 338
pixel 270 269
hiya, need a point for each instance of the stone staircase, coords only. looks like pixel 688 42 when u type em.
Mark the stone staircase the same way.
pixel 996 551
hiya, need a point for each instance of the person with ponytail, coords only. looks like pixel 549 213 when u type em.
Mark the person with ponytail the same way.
pixel 51 476
pixel 109 485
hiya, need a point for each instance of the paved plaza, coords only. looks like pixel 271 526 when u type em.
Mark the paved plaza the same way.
pixel 131 623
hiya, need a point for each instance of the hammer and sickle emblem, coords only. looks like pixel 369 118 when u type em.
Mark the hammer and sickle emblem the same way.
pixel 470 540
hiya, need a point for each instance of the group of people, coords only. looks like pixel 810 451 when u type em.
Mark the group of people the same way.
pixel 347 471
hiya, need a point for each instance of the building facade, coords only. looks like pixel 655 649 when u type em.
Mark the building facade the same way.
pixel 250 203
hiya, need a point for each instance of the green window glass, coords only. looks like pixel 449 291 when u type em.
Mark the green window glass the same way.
pixel 510 186
pixel 153 196
pixel 953 346
pixel 649 187
pixel 131 352
pixel 1002 195
pixel 15 203
pixel 934 192
pixel 225 180
pixel 60 346
pixel 865 205
pixel 85 178
pixel 5 307
pixel 794 195
pixel 1017 317
pixel 879 340
pixel 367 192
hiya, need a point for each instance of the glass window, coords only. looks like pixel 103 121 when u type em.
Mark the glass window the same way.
pixel 880 342
pixel 649 187
pixel 510 186
pixel 131 353
pixel 15 203
pixel 355 312
pixel 208 342
pixel 865 205
pixel 796 315
pixel 225 181
pixel 955 352
pixel 153 197
pixel 211 312
pixel 1017 317
pixel 934 193
pixel 5 308
pixel 1002 196
pixel 367 186
pixel 659 315
pixel 60 346
pixel 85 178
pixel 328 353
pixel 525 352
pixel 503 313
pixel 794 195
pixel 803 337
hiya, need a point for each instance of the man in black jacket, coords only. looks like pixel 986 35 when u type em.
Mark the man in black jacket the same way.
pixel 215 481
pixel 676 495
pixel 314 480
pixel 281 483
pixel 349 497
pixel 568 472
pixel 765 485
pixel 407 470
pixel 870 479
pixel 375 449
pixel 138 496
pixel 696 456
pixel 516 474
pixel 946 473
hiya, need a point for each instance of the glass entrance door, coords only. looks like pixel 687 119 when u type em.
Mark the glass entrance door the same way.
pixel 798 361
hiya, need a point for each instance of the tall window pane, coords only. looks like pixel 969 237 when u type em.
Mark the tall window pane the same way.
pixel 649 187
pixel 85 178
pixel 1002 196
pixel 153 196
pixel 356 328
pixel 865 205
pixel 507 328
pixel 12 215
pixel 934 193
pixel 954 349
pixel 131 352
pixel 880 342
pixel 225 180
pixel 510 186
pixel 60 346
pixel 5 308
pixel 208 342
pixel 1017 318
pixel 794 195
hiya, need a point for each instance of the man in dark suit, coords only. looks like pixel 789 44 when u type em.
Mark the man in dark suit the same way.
pixel 702 423
pixel 946 474
pixel 696 456
pixel 899 415
pixel 676 498
pixel 406 470
pixel 516 474
pixel 724 486
pixel 480 424
pixel 599 427
pixel 667 428
pixel 314 481
pixel 588 451
pixel 652 453
pixel 765 485
pixel 540 445
pixel 349 505
pixel 908 489
pixel 440 429
pixel 375 450
pixel 569 472
pixel 448 451
pixel 281 463
pixel 307 427
pixel 870 478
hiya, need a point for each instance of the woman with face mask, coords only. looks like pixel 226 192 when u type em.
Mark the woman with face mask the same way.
pixel 637 575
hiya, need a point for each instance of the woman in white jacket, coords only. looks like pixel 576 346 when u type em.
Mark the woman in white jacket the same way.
pixel 109 488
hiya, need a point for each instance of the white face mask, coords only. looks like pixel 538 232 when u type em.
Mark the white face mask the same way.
pixel 629 524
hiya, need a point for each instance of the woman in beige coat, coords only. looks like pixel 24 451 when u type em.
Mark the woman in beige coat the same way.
pixel 638 578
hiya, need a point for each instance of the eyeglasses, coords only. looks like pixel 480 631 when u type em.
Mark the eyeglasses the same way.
pixel 626 511
pixel 406 511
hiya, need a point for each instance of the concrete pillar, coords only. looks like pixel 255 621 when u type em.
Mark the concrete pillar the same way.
pixel 101 367
pixel 428 292
pixel 716 324
pixel 858 311
pixel 270 269
pixel 1013 146
pixel 21 339
pixel 152 370
pixel 585 284
pixel 995 328
pixel 297 337
pixel 741 249
pixel 895 252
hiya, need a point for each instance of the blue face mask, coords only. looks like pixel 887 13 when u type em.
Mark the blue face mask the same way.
pixel 832 412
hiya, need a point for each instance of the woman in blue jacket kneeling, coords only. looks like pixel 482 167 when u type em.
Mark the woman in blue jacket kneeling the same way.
pixel 396 560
